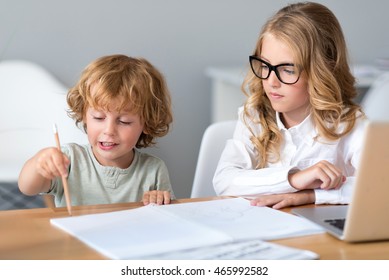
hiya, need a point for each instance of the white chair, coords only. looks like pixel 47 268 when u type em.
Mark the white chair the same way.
pixel 31 101
pixel 376 100
pixel 212 145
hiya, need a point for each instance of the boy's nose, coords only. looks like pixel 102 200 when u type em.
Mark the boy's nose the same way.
pixel 110 128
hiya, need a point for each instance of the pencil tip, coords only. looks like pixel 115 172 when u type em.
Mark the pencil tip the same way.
pixel 55 128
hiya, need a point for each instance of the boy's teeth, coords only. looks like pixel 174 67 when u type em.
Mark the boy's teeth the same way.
pixel 107 144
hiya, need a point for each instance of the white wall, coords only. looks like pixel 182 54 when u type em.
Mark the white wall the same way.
pixel 181 38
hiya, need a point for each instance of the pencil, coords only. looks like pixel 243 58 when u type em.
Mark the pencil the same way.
pixel 64 180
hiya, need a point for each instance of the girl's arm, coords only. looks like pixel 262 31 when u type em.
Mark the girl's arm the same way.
pixel 322 175
pixel 278 201
pixel 237 175
pixel 353 144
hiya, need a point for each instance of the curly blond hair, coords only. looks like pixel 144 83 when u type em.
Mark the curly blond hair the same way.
pixel 131 81
pixel 316 39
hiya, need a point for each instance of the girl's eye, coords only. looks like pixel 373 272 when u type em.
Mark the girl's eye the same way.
pixel 289 70
pixel 98 118
pixel 125 123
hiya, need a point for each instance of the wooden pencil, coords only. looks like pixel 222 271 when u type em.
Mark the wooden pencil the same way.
pixel 64 180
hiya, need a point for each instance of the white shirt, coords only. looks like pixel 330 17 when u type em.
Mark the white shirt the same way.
pixel 236 174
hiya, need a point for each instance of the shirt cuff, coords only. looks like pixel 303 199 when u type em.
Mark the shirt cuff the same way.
pixel 327 197
pixel 340 196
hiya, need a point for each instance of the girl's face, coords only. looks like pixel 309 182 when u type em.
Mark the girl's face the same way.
pixel 113 135
pixel 292 101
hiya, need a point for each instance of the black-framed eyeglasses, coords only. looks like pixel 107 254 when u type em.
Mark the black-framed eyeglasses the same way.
pixel 287 73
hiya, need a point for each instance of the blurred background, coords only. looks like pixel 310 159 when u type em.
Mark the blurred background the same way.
pixel 183 39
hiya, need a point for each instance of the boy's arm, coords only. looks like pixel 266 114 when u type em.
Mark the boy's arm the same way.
pixel 30 181
pixel 37 173
pixel 158 197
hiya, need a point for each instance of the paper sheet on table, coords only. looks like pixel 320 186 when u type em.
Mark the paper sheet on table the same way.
pixel 249 249
pixel 152 230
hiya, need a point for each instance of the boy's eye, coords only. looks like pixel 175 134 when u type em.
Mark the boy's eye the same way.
pixel 98 118
pixel 124 122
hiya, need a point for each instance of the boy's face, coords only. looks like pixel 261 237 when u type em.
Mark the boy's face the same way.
pixel 113 135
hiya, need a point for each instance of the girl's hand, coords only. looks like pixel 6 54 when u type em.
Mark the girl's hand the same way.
pixel 157 197
pixel 51 163
pixel 323 175
pixel 278 201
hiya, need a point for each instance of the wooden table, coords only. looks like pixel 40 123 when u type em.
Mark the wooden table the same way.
pixel 28 234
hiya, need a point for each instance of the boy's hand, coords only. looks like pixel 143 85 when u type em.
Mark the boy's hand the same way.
pixel 278 201
pixel 51 163
pixel 157 197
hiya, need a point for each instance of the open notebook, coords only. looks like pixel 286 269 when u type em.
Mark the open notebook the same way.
pixel 190 231
pixel 366 217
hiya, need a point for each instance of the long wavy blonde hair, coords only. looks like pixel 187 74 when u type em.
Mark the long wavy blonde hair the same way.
pixel 131 81
pixel 316 39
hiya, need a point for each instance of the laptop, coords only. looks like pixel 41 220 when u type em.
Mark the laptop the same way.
pixel 366 218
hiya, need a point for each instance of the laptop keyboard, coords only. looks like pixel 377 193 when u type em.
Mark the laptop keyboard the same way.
pixel 338 223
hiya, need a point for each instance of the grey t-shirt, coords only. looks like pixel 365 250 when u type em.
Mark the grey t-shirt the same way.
pixel 91 183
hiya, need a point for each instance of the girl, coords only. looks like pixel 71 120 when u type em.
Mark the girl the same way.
pixel 122 103
pixel 298 138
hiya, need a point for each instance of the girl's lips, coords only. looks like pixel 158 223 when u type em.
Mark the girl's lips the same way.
pixel 276 95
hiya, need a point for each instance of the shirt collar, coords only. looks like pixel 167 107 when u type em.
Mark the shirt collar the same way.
pixel 306 130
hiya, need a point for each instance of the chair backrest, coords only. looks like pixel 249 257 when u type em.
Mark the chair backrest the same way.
pixel 376 100
pixel 31 101
pixel 212 145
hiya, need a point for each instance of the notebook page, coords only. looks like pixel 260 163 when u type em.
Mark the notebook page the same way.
pixel 151 230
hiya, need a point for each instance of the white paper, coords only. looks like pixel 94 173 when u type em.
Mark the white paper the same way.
pixel 252 249
pixel 240 220
pixel 153 230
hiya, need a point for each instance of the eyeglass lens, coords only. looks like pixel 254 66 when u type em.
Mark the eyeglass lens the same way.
pixel 286 73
